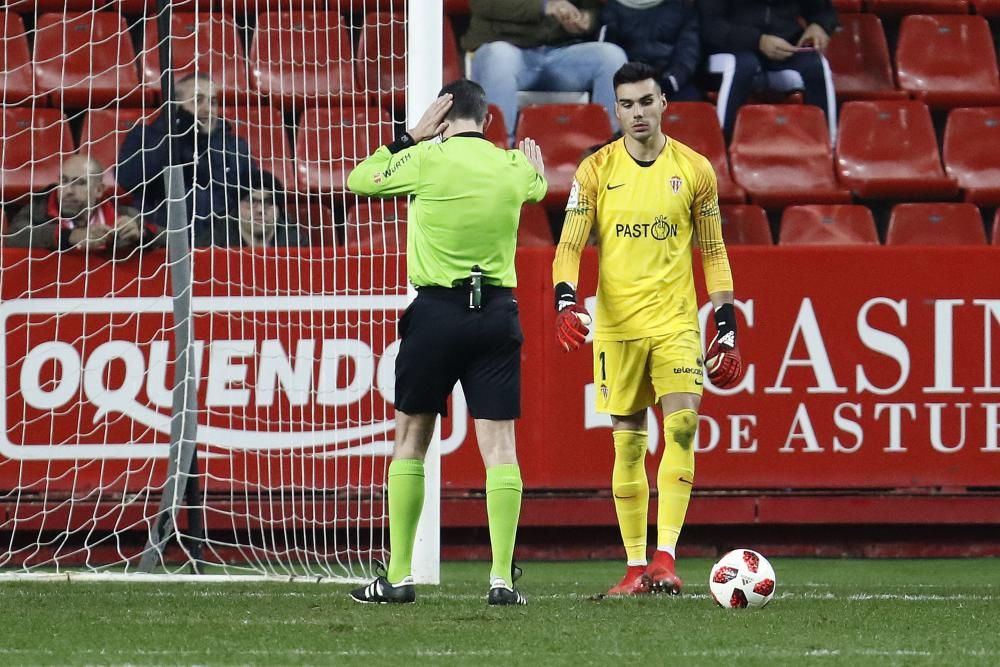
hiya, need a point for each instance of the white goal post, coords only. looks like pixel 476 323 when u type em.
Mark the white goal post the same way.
pixel 253 269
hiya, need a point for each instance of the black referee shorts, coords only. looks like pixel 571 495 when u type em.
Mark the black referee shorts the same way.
pixel 443 342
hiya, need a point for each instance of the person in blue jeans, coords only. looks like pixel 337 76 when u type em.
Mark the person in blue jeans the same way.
pixel 540 45
pixel 768 35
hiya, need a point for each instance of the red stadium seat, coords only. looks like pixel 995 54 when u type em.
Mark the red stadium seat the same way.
pixel 888 150
pixel 378 228
pixel 42 6
pixel 86 59
pixel 781 155
pixel 33 143
pixel 534 229
pixel 125 6
pixel 996 228
pixel 827 225
pixel 847 6
pixel 456 7
pixel 971 139
pixel 495 131
pixel 904 7
pixel 104 131
pixel 15 61
pixel 314 220
pixel 565 132
pixel 935 224
pixel 859 59
pixel 302 56
pixel 220 52
pixel 988 8
pixel 264 129
pixel 948 61
pixel 745 224
pixel 329 144
pixel 697 125
pixel 381 59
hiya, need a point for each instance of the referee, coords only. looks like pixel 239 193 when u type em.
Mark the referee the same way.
pixel 463 325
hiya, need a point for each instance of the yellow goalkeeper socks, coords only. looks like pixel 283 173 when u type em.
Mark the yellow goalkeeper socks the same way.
pixel 675 476
pixel 631 491
pixel 406 500
pixel 503 507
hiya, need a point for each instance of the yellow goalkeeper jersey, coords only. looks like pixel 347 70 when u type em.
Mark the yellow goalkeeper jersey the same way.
pixel 648 217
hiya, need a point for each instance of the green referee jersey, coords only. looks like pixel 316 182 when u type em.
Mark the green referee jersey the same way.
pixel 465 207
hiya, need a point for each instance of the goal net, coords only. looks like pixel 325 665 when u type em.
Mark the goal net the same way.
pixel 198 321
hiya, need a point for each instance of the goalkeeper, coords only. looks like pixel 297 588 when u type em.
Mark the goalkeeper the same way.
pixel 463 325
pixel 650 199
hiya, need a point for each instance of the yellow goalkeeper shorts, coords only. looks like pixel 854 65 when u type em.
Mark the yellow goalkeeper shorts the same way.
pixel 630 375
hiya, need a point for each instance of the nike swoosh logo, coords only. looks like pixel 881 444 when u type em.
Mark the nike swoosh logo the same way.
pixel 698 382
pixel 686 481
pixel 615 187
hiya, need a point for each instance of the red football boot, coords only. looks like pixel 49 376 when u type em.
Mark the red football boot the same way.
pixel 661 575
pixel 635 582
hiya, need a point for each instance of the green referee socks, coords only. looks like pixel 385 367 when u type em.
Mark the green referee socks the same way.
pixel 503 507
pixel 406 500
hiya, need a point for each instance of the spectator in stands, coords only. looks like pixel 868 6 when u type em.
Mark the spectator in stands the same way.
pixel 214 161
pixel 74 214
pixel 660 33
pixel 259 221
pixel 768 35
pixel 547 45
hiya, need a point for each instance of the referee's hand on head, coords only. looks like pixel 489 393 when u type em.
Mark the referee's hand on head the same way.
pixel 433 122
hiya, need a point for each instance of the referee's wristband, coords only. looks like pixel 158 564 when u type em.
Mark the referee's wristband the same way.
pixel 402 143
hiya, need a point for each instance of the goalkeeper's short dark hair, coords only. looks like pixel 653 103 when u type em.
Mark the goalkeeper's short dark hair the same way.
pixel 468 100
pixel 635 72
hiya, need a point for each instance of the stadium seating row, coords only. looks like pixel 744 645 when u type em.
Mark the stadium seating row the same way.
pixel 836 224
pixel 780 155
pixel 231 6
pixel 380 227
pixel 86 59
pixel 461 7
pixel 945 61
pixel 895 8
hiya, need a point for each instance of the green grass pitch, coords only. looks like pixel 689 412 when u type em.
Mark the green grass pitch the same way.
pixel 825 612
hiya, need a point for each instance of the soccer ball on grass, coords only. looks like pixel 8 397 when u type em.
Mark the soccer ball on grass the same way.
pixel 741 579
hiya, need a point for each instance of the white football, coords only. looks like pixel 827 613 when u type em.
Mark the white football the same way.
pixel 742 579
pixel 585 319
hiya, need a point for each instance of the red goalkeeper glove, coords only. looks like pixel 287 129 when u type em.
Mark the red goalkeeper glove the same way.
pixel 723 361
pixel 572 320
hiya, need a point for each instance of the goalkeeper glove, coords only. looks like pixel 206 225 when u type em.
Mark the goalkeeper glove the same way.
pixel 572 319
pixel 723 361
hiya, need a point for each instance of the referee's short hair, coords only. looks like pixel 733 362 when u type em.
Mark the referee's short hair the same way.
pixel 468 100
pixel 634 72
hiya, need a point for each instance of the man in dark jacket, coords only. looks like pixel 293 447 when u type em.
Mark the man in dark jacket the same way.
pixel 662 34
pixel 767 35
pixel 214 160
pixel 548 45
pixel 74 214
